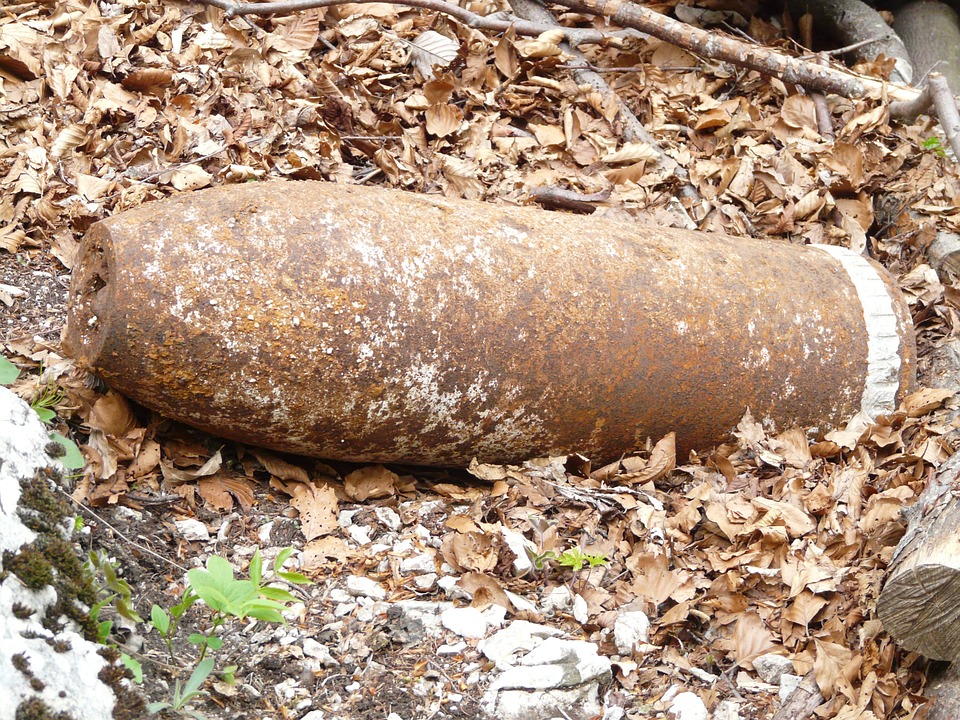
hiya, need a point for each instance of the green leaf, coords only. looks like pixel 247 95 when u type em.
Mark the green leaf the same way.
pixel 160 620
pixel 277 594
pixel 155 707
pixel 103 631
pixel 256 568
pixel 197 639
pixel 45 414
pixel 214 642
pixel 295 578
pixel 8 371
pixel 197 678
pixel 125 609
pixel 134 667
pixel 73 460
pixel 265 614
pixel 282 557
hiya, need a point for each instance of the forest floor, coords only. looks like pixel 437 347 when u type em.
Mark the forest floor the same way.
pixel 770 543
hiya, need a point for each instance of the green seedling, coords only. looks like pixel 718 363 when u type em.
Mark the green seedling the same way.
pixel 189 691
pixel 576 559
pixel 116 590
pixel 934 145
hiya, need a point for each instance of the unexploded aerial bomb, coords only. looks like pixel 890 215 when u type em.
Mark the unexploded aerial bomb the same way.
pixel 366 324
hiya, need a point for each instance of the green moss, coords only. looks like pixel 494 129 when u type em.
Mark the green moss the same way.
pixel 45 509
pixel 30 566
pixel 21 663
pixel 129 705
pixel 21 612
pixel 36 709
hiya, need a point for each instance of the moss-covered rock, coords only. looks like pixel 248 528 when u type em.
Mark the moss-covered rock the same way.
pixel 49 664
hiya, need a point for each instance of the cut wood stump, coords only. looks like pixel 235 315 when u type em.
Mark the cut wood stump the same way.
pixel 920 603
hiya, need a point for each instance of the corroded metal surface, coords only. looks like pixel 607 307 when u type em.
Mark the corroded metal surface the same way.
pixel 362 324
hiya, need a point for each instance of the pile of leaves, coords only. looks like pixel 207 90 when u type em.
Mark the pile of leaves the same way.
pixel 771 543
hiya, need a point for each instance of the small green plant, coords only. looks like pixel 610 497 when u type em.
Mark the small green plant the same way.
pixel 189 691
pixel 576 559
pixel 228 598
pixel 935 145
pixel 71 458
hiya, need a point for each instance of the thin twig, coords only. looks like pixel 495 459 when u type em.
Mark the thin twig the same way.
pixel 125 537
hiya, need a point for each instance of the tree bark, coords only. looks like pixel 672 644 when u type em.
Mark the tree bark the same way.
pixel 920 603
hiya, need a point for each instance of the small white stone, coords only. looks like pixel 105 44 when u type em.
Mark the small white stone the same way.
pixel 359 534
pixel 418 564
pixel 425 583
pixel 558 599
pixel 788 683
pixel 726 710
pixel 192 529
pixel 319 651
pixel 687 706
pixel 345 518
pixel 454 649
pixel 403 547
pixel 521 603
pixel 518 544
pixel 338 595
pixel 631 628
pixel 394 716
pixel 466 622
pixel 581 612
pixel 314 715
pixel 388 517
pixel 771 667
pixel 360 586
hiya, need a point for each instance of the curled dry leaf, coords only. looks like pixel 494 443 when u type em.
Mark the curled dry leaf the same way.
pixel 177 476
pixel 279 467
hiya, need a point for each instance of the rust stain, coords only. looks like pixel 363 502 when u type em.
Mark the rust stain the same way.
pixel 362 324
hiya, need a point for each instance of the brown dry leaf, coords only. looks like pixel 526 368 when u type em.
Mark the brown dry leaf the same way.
pixel 278 467
pixel 373 481
pixel 836 669
pixel 320 552
pixel 924 400
pixel 175 476
pixel 471 551
pixel 218 491
pixel 112 414
pixel 443 120
pixel 190 177
pixel 799 112
pixel 147 459
pixel 751 639
pixel 505 54
pixel 317 505
pixel 663 459
pixel 485 590
pixel 461 523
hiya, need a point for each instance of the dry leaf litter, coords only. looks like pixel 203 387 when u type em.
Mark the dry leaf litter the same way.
pixel 728 575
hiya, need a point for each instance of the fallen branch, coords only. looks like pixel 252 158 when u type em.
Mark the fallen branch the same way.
pixel 858 25
pixel 946 108
pixel 715 46
pixel 710 45
pixel 494 23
